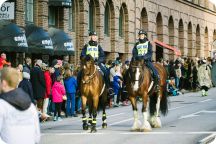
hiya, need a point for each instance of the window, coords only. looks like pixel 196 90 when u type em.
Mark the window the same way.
pixel 107 20
pixel 52 16
pixel 121 23
pixel 91 15
pixel 29 17
pixel 71 20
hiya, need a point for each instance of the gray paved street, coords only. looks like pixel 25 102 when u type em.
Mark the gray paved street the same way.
pixel 190 119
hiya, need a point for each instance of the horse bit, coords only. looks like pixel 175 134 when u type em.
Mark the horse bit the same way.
pixel 90 77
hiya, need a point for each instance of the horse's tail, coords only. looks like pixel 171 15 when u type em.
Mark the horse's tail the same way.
pixel 163 102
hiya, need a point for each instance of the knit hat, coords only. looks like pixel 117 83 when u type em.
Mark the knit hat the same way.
pixel 26 73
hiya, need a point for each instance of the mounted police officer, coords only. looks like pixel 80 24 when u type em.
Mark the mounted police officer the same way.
pixel 143 49
pixel 95 50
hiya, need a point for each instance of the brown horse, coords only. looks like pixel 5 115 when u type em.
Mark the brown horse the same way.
pixel 139 83
pixel 93 93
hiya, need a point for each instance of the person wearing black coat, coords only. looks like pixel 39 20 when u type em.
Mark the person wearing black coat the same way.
pixel 26 85
pixel 38 83
pixel 143 49
pixel 96 51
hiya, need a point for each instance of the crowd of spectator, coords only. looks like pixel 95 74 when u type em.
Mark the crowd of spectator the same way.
pixel 53 88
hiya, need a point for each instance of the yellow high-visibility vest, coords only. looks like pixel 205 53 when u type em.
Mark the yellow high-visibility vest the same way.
pixel 93 51
pixel 142 48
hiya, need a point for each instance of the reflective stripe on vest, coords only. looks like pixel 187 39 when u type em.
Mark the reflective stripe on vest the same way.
pixel 142 48
pixel 93 51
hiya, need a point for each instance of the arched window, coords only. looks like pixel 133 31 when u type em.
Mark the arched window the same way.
pixel 107 19
pixel 190 40
pixel 198 44
pixel 206 42
pixel 121 22
pixel 29 11
pixel 144 20
pixel 91 16
pixel 181 36
pixel 214 35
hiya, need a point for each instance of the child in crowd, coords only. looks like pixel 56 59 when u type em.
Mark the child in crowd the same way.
pixel 171 88
pixel 58 91
pixel 117 85
pixel 70 87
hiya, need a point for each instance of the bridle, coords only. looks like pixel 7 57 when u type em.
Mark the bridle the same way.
pixel 90 77
pixel 132 66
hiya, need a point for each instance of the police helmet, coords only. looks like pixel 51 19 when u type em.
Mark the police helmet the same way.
pixel 142 32
pixel 92 33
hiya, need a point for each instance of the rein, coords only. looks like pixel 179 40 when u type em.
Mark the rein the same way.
pixel 90 77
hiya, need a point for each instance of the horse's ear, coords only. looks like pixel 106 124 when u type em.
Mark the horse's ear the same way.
pixel 133 59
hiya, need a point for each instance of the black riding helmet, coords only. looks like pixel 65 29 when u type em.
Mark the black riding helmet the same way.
pixel 92 33
pixel 142 32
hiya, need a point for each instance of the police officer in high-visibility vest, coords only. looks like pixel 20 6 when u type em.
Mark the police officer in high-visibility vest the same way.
pixel 95 50
pixel 143 49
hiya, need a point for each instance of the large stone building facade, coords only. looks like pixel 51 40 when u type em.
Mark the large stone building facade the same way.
pixel 187 25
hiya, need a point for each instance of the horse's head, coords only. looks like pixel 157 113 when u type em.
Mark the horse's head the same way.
pixel 87 63
pixel 136 71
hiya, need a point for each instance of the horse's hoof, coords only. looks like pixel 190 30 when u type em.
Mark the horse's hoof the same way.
pixel 104 125
pixel 145 130
pixel 156 122
pixel 135 130
pixel 85 127
pixel 93 130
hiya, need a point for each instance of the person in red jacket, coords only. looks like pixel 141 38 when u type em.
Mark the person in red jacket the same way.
pixel 47 75
pixel 3 61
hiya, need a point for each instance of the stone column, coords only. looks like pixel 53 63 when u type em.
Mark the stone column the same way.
pixel 41 10
pixel 20 13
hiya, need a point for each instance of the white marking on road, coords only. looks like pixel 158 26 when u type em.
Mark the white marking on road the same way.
pixel 176 108
pixel 141 133
pixel 115 115
pixel 210 112
pixel 126 120
pixel 205 100
pixel 196 114
pixel 190 115
pixel 135 133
